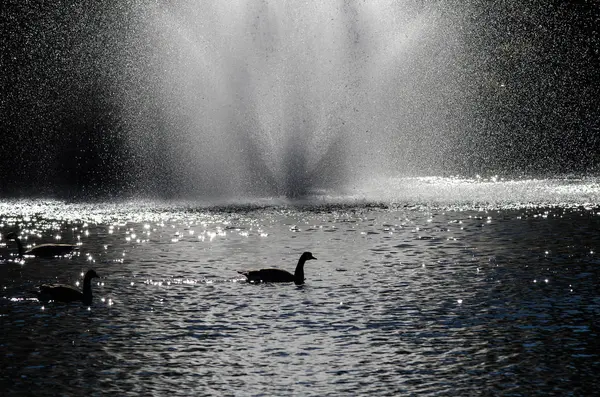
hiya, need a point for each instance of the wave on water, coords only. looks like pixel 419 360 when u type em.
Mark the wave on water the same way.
pixel 456 193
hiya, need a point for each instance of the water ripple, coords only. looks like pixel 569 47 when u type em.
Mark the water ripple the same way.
pixel 403 301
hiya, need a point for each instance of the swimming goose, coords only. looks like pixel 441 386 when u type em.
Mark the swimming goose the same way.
pixel 42 250
pixel 278 275
pixel 68 293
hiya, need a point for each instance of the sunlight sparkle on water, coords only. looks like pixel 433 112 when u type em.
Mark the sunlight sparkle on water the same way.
pixel 446 272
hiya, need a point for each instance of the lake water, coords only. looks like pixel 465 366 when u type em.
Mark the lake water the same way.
pixel 451 287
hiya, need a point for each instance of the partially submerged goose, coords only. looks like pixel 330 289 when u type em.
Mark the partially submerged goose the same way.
pixel 68 293
pixel 278 275
pixel 42 250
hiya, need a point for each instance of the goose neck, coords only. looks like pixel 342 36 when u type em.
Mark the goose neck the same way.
pixel 299 273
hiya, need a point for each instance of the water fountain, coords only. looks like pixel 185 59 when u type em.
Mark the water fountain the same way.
pixel 252 98
pixel 203 99
pixel 255 98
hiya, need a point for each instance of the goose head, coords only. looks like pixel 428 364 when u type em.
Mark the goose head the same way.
pixel 306 256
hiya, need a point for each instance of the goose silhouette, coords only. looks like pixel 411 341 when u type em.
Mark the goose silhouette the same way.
pixel 68 293
pixel 279 275
pixel 42 250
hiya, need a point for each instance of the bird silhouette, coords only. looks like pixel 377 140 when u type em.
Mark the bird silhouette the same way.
pixel 278 275
pixel 42 250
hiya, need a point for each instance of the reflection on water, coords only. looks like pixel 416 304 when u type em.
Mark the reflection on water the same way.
pixel 402 300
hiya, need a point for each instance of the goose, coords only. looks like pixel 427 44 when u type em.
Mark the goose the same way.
pixel 68 293
pixel 278 275
pixel 42 250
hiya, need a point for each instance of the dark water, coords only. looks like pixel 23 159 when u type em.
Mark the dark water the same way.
pixel 403 300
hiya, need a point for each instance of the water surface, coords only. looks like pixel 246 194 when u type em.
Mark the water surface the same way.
pixel 403 300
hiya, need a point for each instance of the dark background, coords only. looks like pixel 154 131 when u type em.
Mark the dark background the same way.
pixel 531 79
